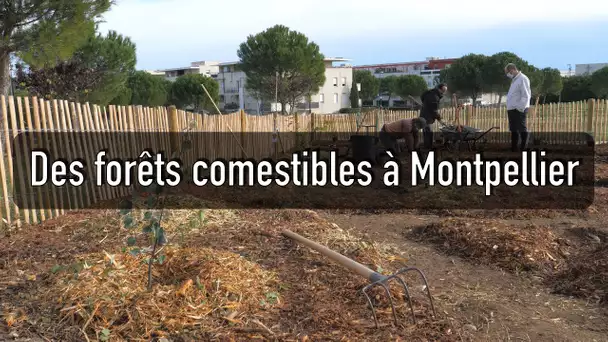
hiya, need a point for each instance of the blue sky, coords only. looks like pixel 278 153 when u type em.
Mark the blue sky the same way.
pixel 173 33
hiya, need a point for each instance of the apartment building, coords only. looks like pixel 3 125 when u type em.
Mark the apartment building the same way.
pixel 588 69
pixel 206 68
pixel 335 92
pixel 428 69
pixel 332 96
pixel 156 73
pixel 233 94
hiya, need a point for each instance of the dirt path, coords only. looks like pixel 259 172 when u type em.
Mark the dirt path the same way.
pixel 499 306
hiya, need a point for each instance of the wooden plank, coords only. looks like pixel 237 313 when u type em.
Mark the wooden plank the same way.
pixel 95 117
pixel 6 191
pixel 70 200
pixel 18 151
pixel 118 138
pixel 37 128
pixel 108 142
pixel 45 112
pixel 82 146
pixel 14 214
pixel 97 146
pixel 77 202
pixel 90 152
pixel 129 137
pixel 27 126
pixel 78 149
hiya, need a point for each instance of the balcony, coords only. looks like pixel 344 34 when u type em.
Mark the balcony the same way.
pixel 304 105
pixel 231 91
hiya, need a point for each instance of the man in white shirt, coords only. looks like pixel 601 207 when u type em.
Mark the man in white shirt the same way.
pixel 518 103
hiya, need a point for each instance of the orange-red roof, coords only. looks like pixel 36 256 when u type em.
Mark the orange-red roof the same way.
pixel 433 64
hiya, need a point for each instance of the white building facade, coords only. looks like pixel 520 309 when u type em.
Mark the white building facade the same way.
pixel 333 95
pixel 206 68
pixel 233 94
pixel 566 73
pixel 588 69
pixel 428 69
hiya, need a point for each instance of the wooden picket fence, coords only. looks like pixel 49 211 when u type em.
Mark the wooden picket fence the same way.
pixel 31 114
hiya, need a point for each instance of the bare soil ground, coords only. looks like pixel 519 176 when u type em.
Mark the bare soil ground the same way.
pixel 516 275
pixel 501 305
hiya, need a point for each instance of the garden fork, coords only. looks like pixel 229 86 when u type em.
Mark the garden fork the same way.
pixel 375 278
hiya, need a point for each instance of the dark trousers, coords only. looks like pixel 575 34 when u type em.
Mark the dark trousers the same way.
pixel 389 142
pixel 427 135
pixel 427 132
pixel 518 128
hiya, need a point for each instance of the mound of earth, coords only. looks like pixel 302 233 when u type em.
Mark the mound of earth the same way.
pixel 195 287
pixel 492 242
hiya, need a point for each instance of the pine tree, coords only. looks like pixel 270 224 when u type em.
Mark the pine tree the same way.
pixel 354 96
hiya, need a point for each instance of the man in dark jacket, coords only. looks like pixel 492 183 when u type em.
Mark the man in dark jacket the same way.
pixel 430 111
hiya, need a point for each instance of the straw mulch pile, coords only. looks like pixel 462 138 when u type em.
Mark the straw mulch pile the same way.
pixel 196 287
pixel 513 214
pixel 228 275
pixel 321 299
pixel 586 275
pixel 492 242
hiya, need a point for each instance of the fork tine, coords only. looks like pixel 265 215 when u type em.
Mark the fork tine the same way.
pixel 390 299
pixel 426 284
pixel 371 305
pixel 409 298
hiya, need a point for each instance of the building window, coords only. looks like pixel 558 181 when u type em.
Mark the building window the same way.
pixel 322 98
pixel 226 69
pixel 344 81
pixel 335 97
pixel 335 81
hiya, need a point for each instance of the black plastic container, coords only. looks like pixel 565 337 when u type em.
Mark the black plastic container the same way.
pixel 364 148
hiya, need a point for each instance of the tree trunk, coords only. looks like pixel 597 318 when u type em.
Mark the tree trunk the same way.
pixel 500 99
pixel 5 73
pixel 309 103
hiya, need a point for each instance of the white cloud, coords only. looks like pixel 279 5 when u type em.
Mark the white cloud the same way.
pixel 175 26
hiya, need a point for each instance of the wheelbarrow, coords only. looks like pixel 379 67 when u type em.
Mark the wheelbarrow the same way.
pixel 453 135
